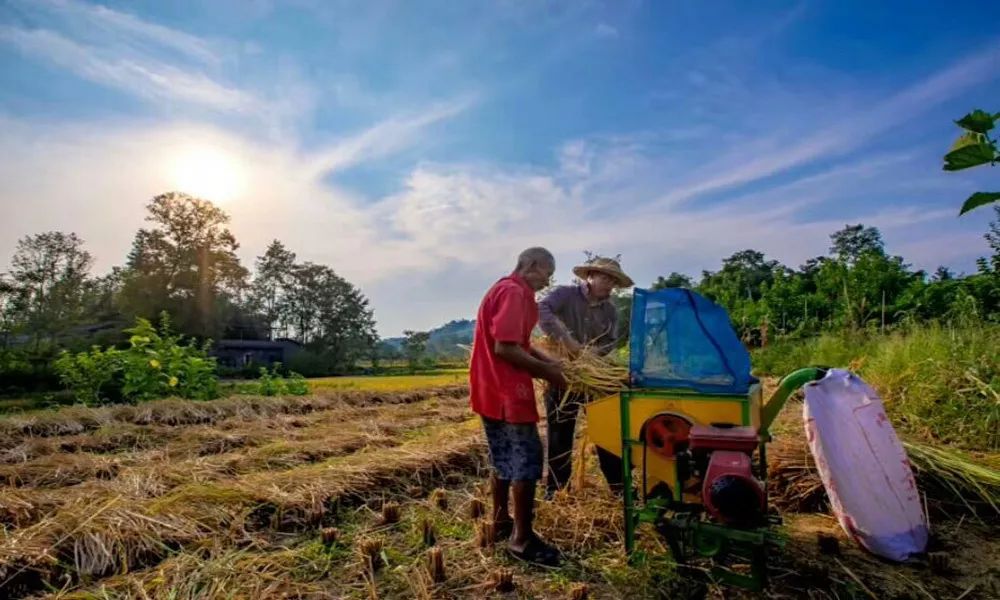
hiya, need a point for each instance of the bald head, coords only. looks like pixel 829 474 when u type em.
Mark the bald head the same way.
pixel 534 256
pixel 536 266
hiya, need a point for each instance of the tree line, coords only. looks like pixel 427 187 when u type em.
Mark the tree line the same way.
pixel 184 264
pixel 857 286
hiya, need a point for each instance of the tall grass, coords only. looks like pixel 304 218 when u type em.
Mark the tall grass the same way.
pixel 938 382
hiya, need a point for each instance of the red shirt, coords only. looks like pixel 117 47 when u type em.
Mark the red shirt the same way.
pixel 497 389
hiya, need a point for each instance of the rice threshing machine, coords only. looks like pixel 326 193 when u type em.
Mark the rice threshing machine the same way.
pixel 692 431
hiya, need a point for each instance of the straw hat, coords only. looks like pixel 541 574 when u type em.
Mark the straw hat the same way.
pixel 608 266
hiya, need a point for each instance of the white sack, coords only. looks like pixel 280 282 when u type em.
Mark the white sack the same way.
pixel 863 466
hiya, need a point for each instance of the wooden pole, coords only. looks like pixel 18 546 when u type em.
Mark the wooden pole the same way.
pixel 883 311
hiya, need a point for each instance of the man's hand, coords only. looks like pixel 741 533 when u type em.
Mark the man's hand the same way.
pixel 556 377
pixel 530 362
pixel 542 356
pixel 573 347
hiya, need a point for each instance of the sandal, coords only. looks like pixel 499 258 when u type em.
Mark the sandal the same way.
pixel 537 552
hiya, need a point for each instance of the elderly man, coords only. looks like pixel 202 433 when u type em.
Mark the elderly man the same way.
pixel 583 318
pixel 500 372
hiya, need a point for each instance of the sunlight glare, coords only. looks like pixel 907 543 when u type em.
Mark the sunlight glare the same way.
pixel 208 173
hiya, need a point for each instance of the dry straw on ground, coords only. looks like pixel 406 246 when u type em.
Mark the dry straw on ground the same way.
pixel 951 479
pixel 439 499
pixel 95 537
pixel 266 533
pixel 206 452
pixel 174 412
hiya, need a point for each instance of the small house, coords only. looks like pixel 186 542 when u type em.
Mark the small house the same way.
pixel 242 353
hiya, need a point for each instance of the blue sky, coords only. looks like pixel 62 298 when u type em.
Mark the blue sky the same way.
pixel 416 147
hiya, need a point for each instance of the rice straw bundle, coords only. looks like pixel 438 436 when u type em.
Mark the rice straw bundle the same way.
pixel 963 478
pixel 952 478
pixel 587 372
pixel 793 481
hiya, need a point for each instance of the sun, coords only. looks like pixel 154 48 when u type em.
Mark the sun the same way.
pixel 209 173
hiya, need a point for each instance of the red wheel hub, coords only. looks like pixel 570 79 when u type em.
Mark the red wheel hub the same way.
pixel 667 435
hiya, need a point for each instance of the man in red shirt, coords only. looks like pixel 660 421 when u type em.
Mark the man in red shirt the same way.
pixel 501 392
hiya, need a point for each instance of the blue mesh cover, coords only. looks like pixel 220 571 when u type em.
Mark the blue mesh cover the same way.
pixel 681 339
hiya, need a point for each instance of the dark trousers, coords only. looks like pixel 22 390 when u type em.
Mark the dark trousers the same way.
pixel 561 428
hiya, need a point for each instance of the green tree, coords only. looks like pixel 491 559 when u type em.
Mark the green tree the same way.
pixel 984 286
pixel 387 351
pixel 415 347
pixel 622 299
pixel 271 288
pixel 347 323
pixel 330 316
pixel 942 273
pixel 308 287
pixel 101 295
pixel 742 277
pixel 787 302
pixel 974 147
pixel 854 241
pixel 674 280
pixel 47 283
pixel 991 266
pixel 7 322
pixel 185 264
pixel 864 291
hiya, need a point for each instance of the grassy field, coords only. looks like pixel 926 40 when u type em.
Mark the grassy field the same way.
pixel 941 384
pixel 392 383
pixel 376 383
pixel 354 493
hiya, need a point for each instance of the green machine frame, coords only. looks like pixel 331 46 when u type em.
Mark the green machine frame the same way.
pixel 686 528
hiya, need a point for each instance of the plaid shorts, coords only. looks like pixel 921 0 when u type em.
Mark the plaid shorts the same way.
pixel 515 450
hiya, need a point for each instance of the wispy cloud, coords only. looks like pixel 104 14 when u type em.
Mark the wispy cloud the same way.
pixel 766 157
pixel 96 20
pixel 384 138
pixel 148 79
pixel 143 59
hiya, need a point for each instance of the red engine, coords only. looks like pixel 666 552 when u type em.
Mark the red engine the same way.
pixel 730 492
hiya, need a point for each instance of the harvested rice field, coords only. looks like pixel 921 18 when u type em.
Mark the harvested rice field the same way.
pixel 392 383
pixel 374 494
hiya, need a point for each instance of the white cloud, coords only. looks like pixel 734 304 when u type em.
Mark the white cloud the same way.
pixel 846 131
pixel 386 137
pixel 147 79
pixel 96 20
pixel 450 231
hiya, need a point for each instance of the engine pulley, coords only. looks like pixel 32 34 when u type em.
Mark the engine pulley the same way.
pixel 667 434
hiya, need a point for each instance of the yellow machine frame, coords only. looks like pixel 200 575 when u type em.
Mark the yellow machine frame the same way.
pixel 616 423
pixel 604 427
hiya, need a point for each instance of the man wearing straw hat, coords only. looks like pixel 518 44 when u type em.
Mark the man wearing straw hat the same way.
pixel 582 318
pixel 502 366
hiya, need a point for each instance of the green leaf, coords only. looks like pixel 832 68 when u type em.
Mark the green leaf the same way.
pixel 979 199
pixel 969 150
pixel 978 121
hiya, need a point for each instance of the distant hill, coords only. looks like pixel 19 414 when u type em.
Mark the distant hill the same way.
pixel 445 340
